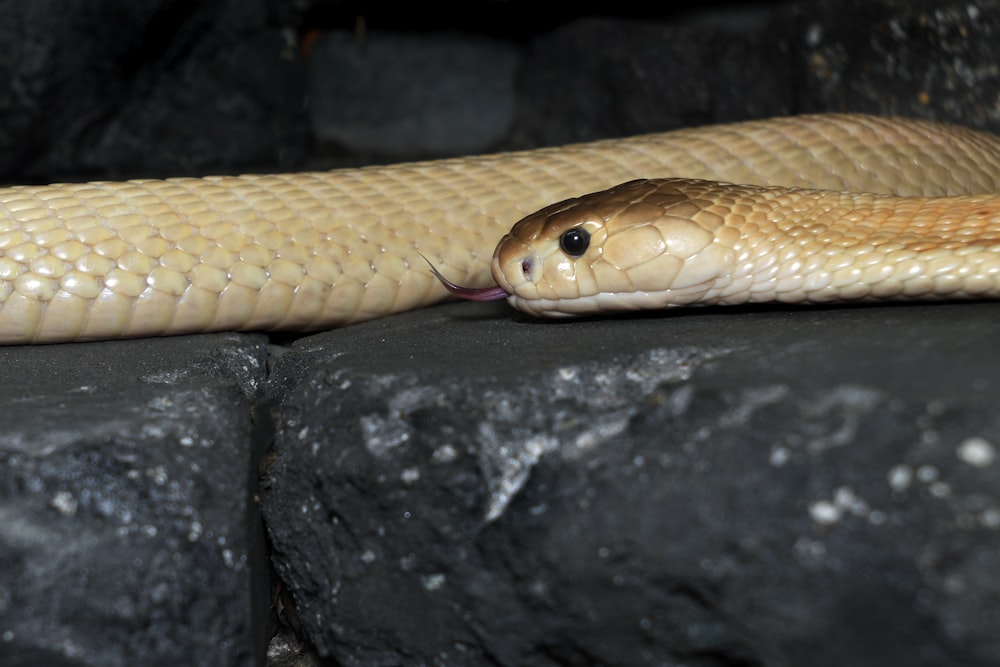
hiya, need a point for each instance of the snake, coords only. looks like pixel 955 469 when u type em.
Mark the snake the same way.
pixel 805 208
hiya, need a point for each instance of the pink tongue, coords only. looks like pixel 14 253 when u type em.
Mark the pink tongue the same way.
pixel 494 293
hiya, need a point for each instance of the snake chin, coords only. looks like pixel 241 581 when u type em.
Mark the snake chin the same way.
pixel 604 302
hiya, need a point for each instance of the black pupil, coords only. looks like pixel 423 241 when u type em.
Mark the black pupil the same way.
pixel 574 242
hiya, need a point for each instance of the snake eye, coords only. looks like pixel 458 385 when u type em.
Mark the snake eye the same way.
pixel 574 242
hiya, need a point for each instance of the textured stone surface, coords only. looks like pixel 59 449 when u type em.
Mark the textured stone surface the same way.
pixel 127 535
pixel 702 488
pixel 604 77
pixel 913 58
pixel 110 89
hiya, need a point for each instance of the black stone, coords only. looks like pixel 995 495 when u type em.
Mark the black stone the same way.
pixel 715 487
pixel 156 88
pixel 901 57
pixel 127 534
pixel 468 111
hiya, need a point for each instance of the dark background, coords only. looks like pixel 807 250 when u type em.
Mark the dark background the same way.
pixel 116 88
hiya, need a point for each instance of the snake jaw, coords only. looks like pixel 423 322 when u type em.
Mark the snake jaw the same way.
pixel 494 293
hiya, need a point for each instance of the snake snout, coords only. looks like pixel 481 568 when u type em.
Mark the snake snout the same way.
pixel 516 266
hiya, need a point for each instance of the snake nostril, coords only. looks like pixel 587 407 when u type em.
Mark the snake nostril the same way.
pixel 527 268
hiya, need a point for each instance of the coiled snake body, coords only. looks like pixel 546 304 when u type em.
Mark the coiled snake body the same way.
pixel 317 250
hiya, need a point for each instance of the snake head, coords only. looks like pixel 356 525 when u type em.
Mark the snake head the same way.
pixel 641 244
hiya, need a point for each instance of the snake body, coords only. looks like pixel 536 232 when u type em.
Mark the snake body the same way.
pixel 310 251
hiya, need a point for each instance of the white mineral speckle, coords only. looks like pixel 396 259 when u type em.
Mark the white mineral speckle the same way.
pixel 567 373
pixel 70 649
pixel 432 582
pixel 508 465
pixel 64 503
pixel 410 475
pixel 990 518
pixel 444 454
pixel 940 489
pixel 195 530
pixel 897 29
pixel 977 452
pixel 900 477
pixel 158 474
pixel 844 501
pixel 601 432
pixel 780 456
pixel 824 512
pixel 383 435
pixel 845 498
pixel 814 35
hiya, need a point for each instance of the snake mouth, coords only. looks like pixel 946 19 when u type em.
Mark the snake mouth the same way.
pixel 494 293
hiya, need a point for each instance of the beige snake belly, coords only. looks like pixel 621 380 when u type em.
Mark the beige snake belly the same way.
pixel 317 250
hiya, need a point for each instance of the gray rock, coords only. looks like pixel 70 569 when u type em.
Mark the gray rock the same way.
pixel 99 89
pixel 460 486
pixel 353 79
pixel 604 77
pixel 127 536
pixel 912 58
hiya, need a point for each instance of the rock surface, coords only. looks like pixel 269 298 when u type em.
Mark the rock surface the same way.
pixel 459 486
pixel 702 488
pixel 128 533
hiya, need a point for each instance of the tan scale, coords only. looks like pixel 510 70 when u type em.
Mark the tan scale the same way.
pixel 317 250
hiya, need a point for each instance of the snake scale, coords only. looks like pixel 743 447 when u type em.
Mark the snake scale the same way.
pixel 311 251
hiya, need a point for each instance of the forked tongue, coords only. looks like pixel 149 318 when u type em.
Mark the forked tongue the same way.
pixel 494 293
